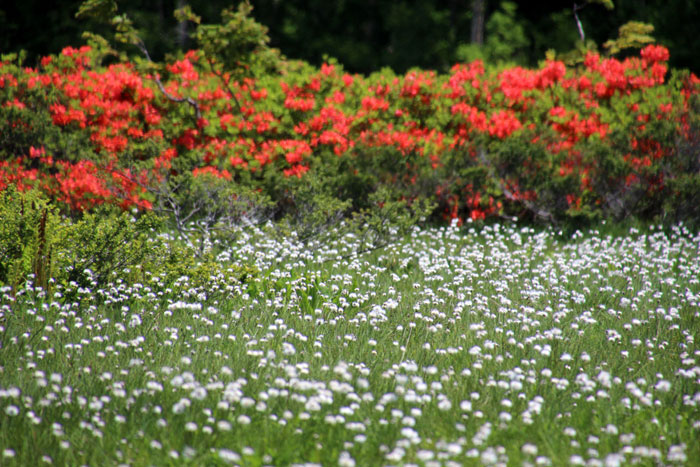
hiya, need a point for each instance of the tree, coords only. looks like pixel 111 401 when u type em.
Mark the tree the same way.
pixel 366 35
pixel 478 15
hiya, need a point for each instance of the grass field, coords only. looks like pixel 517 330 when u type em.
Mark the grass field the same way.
pixel 496 345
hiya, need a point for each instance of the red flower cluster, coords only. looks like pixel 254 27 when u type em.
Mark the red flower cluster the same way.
pixel 287 124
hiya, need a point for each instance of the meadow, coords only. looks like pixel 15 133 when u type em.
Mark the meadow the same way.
pixel 494 345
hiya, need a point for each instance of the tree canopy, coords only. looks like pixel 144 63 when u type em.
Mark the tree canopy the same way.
pixel 366 35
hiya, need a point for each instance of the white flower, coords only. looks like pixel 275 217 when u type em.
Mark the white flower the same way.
pixel 223 425
pixel 199 393
pixel 489 456
pixel 288 349
pixel 346 460
pixel 663 385
pixel 180 406
pixel 444 405
pixel 229 456
pixel 529 449
pixel 154 386
pixel 134 321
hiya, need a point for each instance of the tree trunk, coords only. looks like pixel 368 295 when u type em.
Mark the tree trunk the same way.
pixel 181 30
pixel 478 13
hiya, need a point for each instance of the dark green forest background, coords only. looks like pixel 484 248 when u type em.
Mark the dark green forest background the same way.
pixel 367 35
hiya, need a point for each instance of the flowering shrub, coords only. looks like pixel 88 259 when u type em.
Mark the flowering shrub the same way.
pixel 610 138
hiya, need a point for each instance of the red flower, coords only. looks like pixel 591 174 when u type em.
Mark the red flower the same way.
pixel 552 73
pixel 373 103
pixel 327 69
pixel 503 123
pixel 296 171
pixel 209 170
pixel 654 53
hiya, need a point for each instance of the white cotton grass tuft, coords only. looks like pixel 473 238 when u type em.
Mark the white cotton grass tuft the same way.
pixel 467 333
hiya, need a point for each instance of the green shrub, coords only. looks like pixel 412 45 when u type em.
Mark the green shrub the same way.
pixel 107 245
pixel 30 237
pixel 178 263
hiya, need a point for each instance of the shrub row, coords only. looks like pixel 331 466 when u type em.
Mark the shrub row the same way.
pixel 609 138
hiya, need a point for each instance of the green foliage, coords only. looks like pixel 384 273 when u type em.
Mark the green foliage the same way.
pixel 323 207
pixel 30 236
pixel 388 219
pixel 310 208
pixel 608 4
pixel 506 39
pixel 177 261
pixel 106 245
pixel 101 9
pixel 634 35
pixel 238 44
pixel 203 207
pixel 683 200
pixel 575 56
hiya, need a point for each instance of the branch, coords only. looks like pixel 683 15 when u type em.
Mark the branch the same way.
pixel 538 212
pixel 169 96
pixel 578 21
pixel 225 82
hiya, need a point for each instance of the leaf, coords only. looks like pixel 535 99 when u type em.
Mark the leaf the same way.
pixel 186 14
pixel 633 34
pixel 608 4
pixel 98 9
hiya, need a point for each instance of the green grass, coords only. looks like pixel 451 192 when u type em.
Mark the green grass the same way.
pixel 492 345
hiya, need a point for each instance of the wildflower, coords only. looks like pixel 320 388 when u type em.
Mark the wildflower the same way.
pixel 228 456
pixel 529 449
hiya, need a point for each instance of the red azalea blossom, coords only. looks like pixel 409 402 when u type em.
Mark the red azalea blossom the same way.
pixel 427 119
pixel 209 170
pixel 654 53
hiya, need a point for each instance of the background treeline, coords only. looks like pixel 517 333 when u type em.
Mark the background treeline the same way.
pixel 366 35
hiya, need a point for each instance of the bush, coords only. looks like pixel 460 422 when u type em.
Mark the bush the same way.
pixel 30 237
pixel 37 242
pixel 101 247
pixel 105 246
